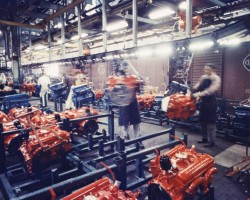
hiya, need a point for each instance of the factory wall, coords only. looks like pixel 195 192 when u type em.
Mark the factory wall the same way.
pixel 153 69
pixel 236 79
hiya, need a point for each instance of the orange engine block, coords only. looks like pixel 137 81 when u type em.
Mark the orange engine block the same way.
pixel 102 189
pixel 85 126
pixel 44 145
pixel 145 101
pixel 181 106
pixel 99 94
pixel 28 87
pixel 179 173
pixel 3 117
pixel 15 113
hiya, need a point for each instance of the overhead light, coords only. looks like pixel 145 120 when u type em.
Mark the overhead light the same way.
pixel 117 26
pixel 83 35
pixel 183 5
pixel 1 33
pixel 39 47
pixel 144 52
pixel 232 41
pixel 160 13
pixel 201 45
pixel 59 41
pixel 164 50
pixel 109 57
pixel 75 37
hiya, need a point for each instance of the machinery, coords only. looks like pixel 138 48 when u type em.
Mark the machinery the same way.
pixel 179 106
pixel 82 94
pixel 86 126
pixel 180 173
pixel 121 89
pixel 57 90
pixel 43 146
pixel 98 94
pixel 28 87
pixel 145 101
pixel 12 101
pixel 102 189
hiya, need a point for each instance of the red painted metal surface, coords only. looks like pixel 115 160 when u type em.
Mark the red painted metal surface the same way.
pixel 99 94
pixel 181 106
pixel 102 189
pixel 189 170
pixel 145 101
pixel 45 145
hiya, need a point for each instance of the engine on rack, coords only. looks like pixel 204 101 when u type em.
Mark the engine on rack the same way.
pixel 145 101
pixel 102 189
pixel 85 126
pixel 22 112
pixel 3 117
pixel 179 106
pixel 179 173
pixel 98 94
pixel 44 145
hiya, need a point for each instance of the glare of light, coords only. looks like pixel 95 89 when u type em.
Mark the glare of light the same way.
pixel 39 47
pixel 75 37
pixel 201 45
pixel 160 13
pixel 109 57
pixel 59 41
pixel 1 33
pixel 52 69
pixel 164 50
pixel 83 35
pixel 233 41
pixel 144 52
pixel 116 26
pixel 183 5
pixel 116 56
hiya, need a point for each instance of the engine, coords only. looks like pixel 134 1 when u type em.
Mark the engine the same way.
pixel 44 145
pixel 85 126
pixel 179 173
pixel 122 89
pixel 3 117
pixel 28 87
pixel 145 101
pixel 15 113
pixel 102 189
pixel 98 94
pixel 179 106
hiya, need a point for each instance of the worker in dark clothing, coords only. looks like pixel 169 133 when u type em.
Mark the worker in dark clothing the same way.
pixel 205 90
pixel 129 114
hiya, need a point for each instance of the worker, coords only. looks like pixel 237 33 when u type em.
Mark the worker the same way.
pixel 205 90
pixel 2 81
pixel 43 82
pixel 129 114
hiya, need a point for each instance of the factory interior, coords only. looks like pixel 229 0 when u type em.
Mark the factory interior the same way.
pixel 124 99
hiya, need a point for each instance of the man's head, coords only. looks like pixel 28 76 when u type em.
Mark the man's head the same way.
pixel 209 68
pixel 124 66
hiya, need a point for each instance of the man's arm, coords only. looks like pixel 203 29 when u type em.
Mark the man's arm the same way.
pixel 214 86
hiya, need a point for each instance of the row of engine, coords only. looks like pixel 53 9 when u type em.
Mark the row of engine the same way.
pixel 176 175
pixel 45 140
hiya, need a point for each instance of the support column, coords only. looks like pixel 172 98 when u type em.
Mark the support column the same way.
pixel 135 23
pixel 49 41
pixel 104 25
pixel 189 15
pixel 63 36
pixel 79 26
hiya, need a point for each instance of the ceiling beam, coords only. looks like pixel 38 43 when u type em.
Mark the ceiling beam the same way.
pixel 218 2
pixel 61 11
pixel 49 5
pixel 11 23
pixel 33 14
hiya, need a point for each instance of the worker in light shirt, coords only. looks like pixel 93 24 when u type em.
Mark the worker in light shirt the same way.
pixel 44 82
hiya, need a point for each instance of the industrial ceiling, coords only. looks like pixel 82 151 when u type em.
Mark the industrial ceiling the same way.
pixel 34 16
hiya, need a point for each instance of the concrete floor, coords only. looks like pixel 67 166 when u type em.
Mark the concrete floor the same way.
pixel 225 152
